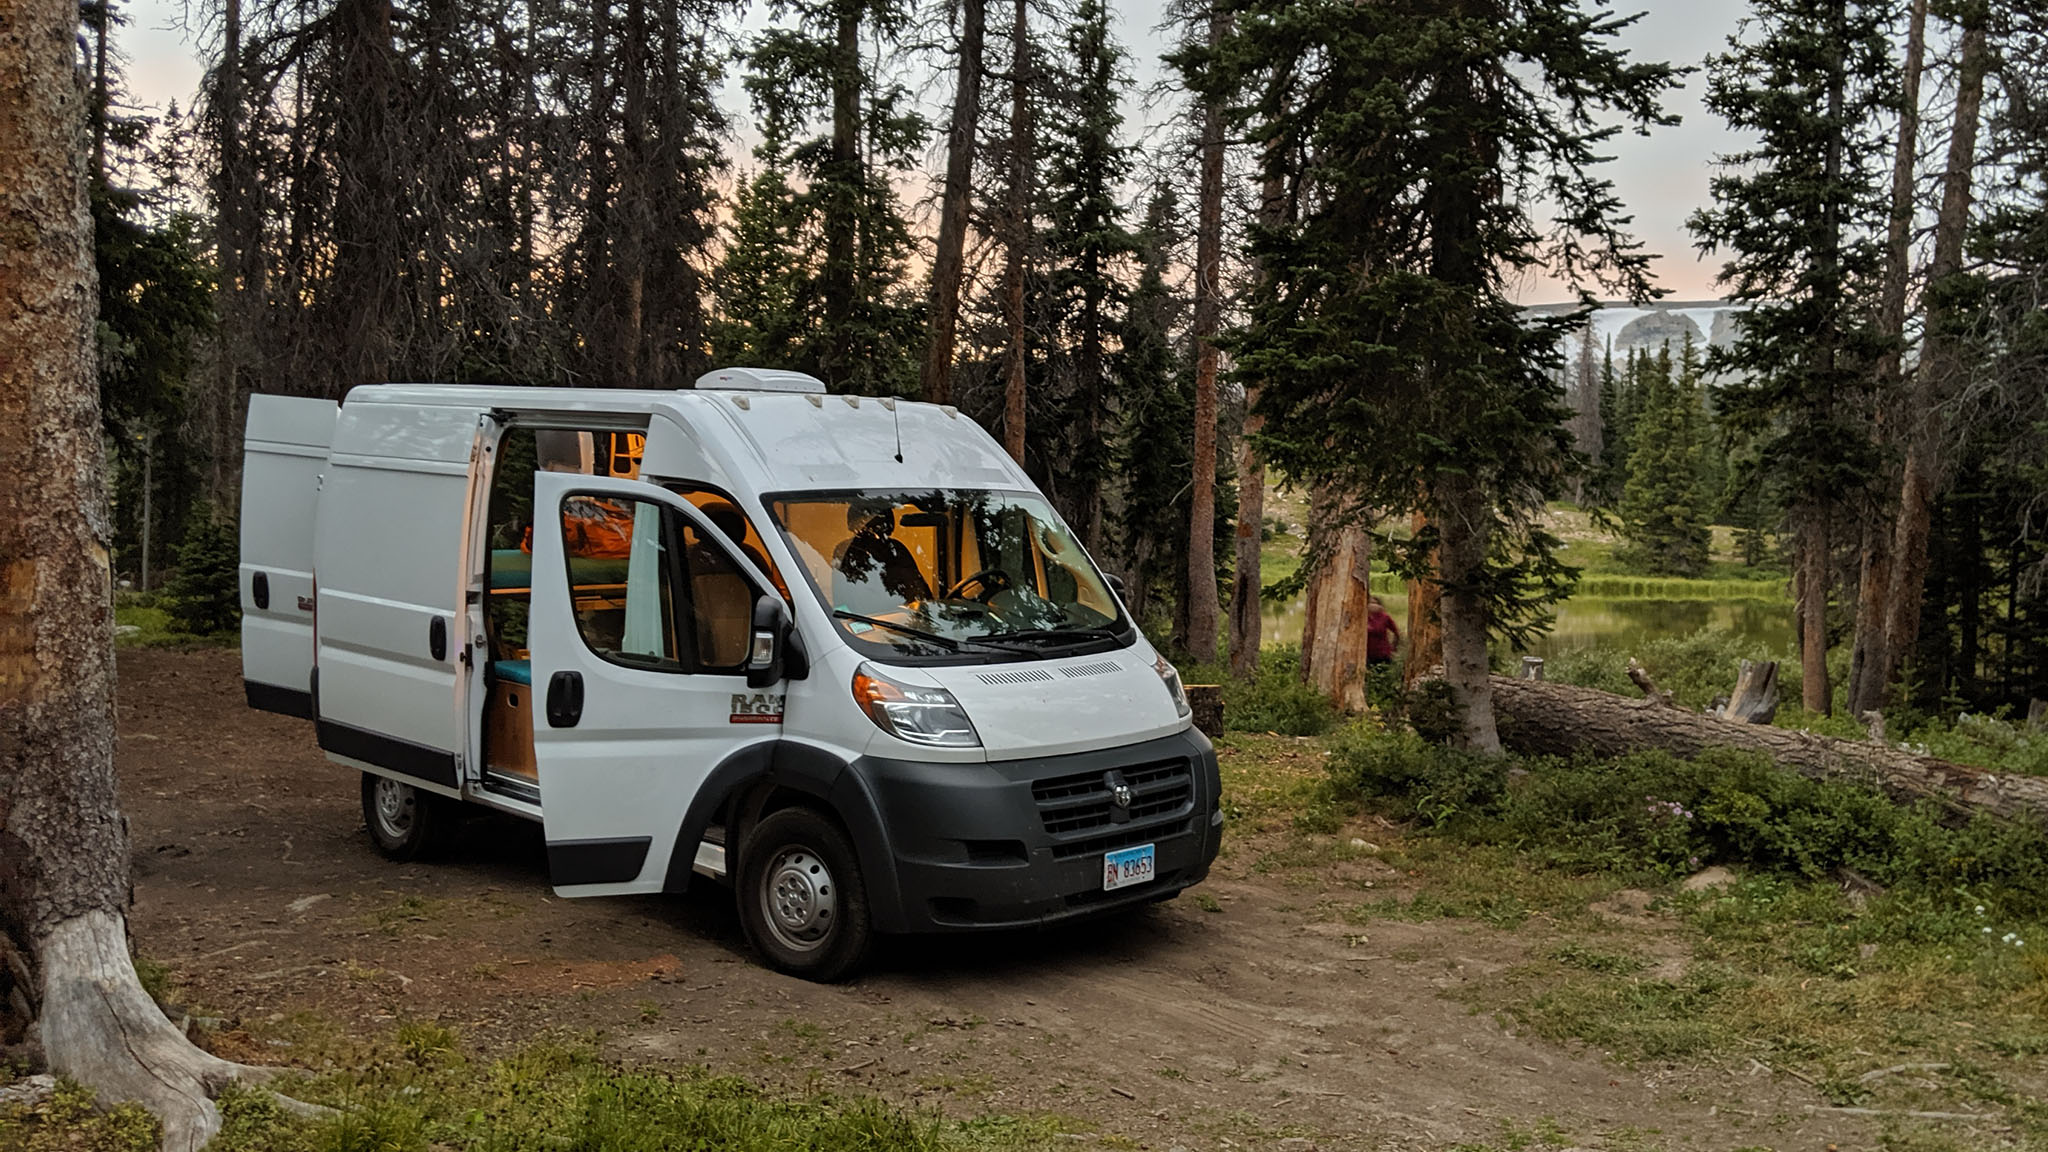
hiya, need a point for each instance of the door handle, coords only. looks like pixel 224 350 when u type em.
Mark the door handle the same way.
pixel 437 638
pixel 259 590
pixel 565 699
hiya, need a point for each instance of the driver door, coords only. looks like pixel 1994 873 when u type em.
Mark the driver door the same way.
pixel 639 634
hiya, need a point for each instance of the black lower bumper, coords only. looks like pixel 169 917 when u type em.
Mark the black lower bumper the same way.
pixel 1021 842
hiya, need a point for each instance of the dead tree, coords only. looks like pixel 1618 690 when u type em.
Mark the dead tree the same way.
pixel 1550 719
pixel 949 261
pixel 1203 608
pixel 64 882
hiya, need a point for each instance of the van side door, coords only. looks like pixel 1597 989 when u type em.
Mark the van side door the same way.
pixel 284 450
pixel 639 635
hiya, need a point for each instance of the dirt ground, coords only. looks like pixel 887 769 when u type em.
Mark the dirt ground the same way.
pixel 1231 1020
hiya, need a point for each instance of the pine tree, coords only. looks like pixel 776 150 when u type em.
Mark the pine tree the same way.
pixel 1800 218
pixel 1153 448
pixel 1393 147
pixel 1663 513
pixel 204 597
pixel 858 324
pixel 1088 249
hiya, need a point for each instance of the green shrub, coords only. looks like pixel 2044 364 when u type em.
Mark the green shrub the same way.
pixel 1695 668
pixel 204 597
pixel 1654 813
pixel 1275 699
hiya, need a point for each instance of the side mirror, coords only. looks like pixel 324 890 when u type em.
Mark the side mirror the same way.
pixel 768 643
pixel 1116 584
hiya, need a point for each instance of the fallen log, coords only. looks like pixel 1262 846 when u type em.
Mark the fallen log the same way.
pixel 1550 719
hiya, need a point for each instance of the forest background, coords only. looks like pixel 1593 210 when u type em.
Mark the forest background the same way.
pixel 572 194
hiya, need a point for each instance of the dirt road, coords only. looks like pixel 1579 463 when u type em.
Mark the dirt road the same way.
pixel 1236 1019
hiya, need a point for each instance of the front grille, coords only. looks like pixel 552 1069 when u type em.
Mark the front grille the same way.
pixel 1125 837
pixel 1072 805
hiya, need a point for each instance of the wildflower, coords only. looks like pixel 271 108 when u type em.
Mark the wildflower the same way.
pixel 1980 909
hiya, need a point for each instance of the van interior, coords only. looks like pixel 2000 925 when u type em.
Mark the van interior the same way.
pixel 628 609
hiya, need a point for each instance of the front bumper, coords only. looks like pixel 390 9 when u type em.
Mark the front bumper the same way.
pixel 1020 842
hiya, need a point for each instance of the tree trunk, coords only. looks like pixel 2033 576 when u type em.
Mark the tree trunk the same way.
pixel 1935 379
pixel 1551 719
pixel 1867 663
pixel 1333 633
pixel 1461 556
pixel 1017 222
pixel 64 882
pixel 1425 626
pixel 1203 608
pixel 841 208
pixel 1247 620
pixel 949 262
pixel 1810 582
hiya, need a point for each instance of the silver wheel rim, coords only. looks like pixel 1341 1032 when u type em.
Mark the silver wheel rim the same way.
pixel 394 804
pixel 799 900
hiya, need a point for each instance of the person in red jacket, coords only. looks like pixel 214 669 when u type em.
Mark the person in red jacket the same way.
pixel 1382 635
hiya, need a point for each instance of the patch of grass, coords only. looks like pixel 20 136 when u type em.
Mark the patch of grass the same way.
pixel 426 1043
pixel 70 1120
pixel 143 625
pixel 1274 700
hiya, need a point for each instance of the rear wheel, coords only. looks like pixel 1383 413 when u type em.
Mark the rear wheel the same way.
pixel 802 897
pixel 405 823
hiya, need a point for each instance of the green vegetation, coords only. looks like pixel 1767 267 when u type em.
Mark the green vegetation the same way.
pixel 1664 503
pixel 425 1094
pixel 204 596
pixel 1274 700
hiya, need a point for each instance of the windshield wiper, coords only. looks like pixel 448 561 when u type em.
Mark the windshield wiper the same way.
pixel 1058 635
pixel 950 644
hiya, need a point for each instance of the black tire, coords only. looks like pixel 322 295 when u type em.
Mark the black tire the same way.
pixel 406 823
pixel 802 898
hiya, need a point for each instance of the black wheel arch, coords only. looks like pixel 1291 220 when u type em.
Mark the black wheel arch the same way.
pixel 763 777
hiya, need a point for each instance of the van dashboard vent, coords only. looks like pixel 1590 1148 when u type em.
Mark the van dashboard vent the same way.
pixel 1020 676
pixel 1099 668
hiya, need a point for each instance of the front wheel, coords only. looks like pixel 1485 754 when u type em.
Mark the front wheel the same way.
pixel 801 896
pixel 405 823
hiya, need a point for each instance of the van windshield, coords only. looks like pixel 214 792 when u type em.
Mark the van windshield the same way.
pixel 950 572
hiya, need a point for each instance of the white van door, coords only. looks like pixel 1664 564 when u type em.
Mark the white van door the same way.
pixel 284 449
pixel 640 631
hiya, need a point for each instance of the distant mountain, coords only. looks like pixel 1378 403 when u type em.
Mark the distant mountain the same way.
pixel 1646 328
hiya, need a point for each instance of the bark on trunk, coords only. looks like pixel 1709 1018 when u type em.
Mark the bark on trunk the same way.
pixel 1461 555
pixel 1867 663
pixel 1425 627
pixel 1811 605
pixel 64 882
pixel 949 261
pixel 1203 608
pixel 1550 719
pixel 1940 361
pixel 1333 631
pixel 1017 222
pixel 1247 620
pixel 841 208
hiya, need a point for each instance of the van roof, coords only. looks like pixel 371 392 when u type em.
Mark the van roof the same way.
pixel 766 441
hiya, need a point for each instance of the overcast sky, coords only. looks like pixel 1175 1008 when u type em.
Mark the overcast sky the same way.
pixel 1661 178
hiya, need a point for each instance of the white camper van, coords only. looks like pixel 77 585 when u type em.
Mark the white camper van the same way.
pixel 838 652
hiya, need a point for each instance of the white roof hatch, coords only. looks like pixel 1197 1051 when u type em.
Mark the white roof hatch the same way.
pixel 758 380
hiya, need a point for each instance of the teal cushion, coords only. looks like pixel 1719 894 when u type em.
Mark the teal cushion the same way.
pixel 513 671
pixel 511 568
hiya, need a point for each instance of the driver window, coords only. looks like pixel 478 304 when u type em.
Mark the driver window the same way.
pixel 617 554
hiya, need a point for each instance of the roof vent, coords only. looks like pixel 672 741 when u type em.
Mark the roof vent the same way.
pixel 758 380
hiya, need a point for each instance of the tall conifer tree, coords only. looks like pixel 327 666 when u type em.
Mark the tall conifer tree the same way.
pixel 1392 361
pixel 1801 219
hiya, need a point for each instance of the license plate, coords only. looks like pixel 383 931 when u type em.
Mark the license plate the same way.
pixel 1128 867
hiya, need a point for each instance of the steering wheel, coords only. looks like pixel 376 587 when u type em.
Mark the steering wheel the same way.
pixel 992 581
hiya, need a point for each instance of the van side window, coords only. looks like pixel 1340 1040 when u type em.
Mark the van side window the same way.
pixel 650 591
pixel 620 581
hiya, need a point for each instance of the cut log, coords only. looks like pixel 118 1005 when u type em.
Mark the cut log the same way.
pixel 1755 699
pixel 1551 719
pixel 1207 702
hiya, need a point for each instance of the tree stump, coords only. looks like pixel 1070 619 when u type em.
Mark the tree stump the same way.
pixel 1532 667
pixel 1207 702
pixel 1755 699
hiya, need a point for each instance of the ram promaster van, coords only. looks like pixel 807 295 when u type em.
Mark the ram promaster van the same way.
pixel 837 652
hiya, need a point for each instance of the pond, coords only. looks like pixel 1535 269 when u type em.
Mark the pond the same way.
pixel 1584 622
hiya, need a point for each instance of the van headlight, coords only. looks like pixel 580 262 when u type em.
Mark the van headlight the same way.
pixel 919 715
pixel 1171 676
